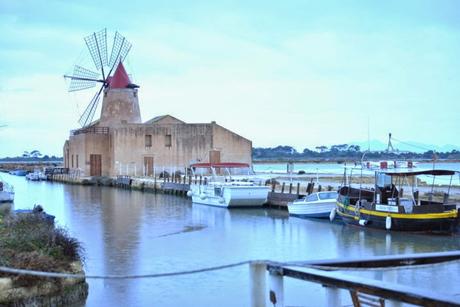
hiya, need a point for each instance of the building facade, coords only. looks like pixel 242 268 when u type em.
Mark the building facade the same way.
pixel 120 144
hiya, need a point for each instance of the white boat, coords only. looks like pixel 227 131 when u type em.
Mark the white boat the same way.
pixel 6 192
pixel 227 185
pixel 37 175
pixel 317 205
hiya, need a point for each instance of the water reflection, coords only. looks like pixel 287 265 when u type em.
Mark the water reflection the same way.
pixel 128 232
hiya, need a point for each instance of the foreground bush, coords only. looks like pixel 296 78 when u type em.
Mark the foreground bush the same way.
pixel 29 241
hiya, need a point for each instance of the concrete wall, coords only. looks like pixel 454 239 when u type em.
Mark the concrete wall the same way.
pixel 232 147
pixel 188 142
pixel 85 144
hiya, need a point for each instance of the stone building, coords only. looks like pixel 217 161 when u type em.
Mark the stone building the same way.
pixel 119 143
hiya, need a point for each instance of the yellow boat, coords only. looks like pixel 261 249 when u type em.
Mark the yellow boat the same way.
pixel 386 206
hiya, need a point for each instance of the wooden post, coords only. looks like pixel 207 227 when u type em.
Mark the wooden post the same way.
pixel 319 188
pixel 257 286
pixel 189 180
pixel 205 180
pixel 273 185
pixel 276 293
pixel 290 188
pixel 282 187
pixel 200 179
pixel 196 178
pixel 391 276
pixel 298 188
pixel 332 296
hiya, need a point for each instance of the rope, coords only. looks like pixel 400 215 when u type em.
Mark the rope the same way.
pixel 305 264
pixel 70 275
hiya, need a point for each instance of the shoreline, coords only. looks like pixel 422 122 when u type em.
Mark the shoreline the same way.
pixel 343 161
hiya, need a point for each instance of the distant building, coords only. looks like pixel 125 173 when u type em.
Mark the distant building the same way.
pixel 119 143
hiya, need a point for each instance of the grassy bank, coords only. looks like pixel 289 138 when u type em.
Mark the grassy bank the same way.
pixel 29 241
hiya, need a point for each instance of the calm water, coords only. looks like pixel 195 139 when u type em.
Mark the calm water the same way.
pixel 127 232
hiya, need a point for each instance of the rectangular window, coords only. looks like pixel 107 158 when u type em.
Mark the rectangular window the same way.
pixel 76 160
pixel 148 140
pixel 168 140
pixel 72 161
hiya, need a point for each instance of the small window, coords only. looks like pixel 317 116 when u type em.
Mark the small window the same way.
pixel 72 161
pixel 76 160
pixel 328 195
pixel 168 140
pixel 312 197
pixel 148 140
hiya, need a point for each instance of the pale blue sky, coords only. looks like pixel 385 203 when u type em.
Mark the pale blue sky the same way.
pixel 293 73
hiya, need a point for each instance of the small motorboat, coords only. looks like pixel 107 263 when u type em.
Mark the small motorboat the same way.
pixel 315 205
pixel 18 172
pixel 227 185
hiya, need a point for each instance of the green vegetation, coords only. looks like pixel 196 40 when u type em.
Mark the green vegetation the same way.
pixel 29 241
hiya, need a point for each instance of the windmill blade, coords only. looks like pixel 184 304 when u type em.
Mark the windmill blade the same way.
pixel 87 116
pixel 120 49
pixel 82 78
pixel 97 46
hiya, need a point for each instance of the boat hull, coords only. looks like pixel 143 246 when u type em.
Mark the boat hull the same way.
pixel 311 210
pixel 445 222
pixel 230 196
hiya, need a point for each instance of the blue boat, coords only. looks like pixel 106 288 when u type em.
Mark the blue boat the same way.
pixel 19 172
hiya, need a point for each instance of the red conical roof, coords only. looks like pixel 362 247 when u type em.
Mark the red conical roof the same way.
pixel 120 78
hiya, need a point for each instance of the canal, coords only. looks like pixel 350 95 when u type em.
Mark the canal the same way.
pixel 130 232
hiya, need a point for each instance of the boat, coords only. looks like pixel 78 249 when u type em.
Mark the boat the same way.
pixel 315 205
pixel 6 192
pixel 227 185
pixel 18 172
pixel 389 206
pixel 36 175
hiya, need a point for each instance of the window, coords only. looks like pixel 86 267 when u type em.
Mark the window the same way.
pixel 168 140
pixel 148 140
pixel 312 197
pixel 76 160
pixel 72 161
pixel 328 195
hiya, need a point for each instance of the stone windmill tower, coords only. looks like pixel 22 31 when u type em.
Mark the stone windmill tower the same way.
pixel 120 103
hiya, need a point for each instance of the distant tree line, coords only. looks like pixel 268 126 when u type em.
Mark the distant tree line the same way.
pixel 33 155
pixel 343 152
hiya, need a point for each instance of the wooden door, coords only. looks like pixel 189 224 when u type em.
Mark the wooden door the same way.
pixel 214 156
pixel 148 166
pixel 95 168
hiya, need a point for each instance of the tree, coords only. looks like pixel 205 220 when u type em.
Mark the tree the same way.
pixel 321 148
pixel 35 154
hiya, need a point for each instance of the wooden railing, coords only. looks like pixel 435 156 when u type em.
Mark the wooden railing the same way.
pixel 322 272
pixel 94 130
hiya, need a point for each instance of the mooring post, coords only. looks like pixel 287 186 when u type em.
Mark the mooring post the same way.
pixel 332 296
pixel 282 187
pixel 391 276
pixel 290 188
pixel 257 284
pixel 276 281
pixel 298 189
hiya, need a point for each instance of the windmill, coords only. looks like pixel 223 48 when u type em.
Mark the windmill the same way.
pixel 84 78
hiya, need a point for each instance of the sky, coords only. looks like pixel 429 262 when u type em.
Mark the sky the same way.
pixel 297 73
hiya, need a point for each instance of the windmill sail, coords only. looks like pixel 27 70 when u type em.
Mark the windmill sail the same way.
pixel 82 79
pixel 97 46
pixel 87 116
pixel 120 50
